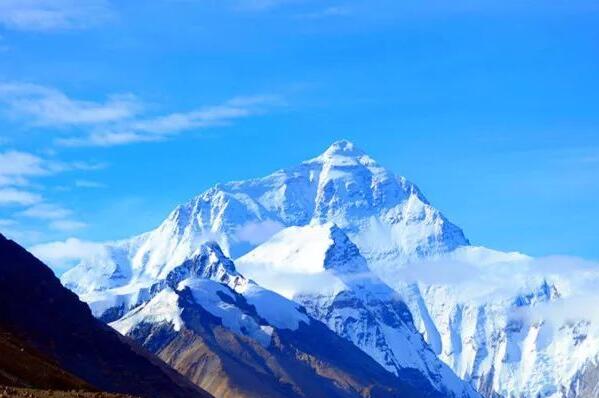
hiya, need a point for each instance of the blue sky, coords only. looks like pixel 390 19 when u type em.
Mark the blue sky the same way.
pixel 111 113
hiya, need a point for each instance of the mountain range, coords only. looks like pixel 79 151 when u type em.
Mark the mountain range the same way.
pixel 338 278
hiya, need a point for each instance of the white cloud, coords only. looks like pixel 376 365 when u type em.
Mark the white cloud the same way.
pixel 46 15
pixel 12 196
pixel 12 180
pixel 15 166
pixel 45 106
pixel 84 166
pixel 67 225
pixel 163 127
pixel 259 5
pixel 11 230
pixel 108 139
pixel 59 217
pixel 89 184
pixel 258 232
pixel 479 275
pixel 334 11
pixel 64 254
pixel 119 119
pixel 46 211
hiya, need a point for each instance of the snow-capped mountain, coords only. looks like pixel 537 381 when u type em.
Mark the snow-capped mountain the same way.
pixel 512 325
pixel 385 215
pixel 236 339
pixel 497 319
pixel 320 268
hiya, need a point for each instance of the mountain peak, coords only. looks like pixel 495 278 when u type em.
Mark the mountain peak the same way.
pixel 343 255
pixel 309 249
pixel 211 247
pixel 208 262
pixel 343 147
pixel 342 151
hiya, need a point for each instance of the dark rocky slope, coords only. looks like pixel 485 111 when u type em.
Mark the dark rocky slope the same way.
pixel 311 361
pixel 67 341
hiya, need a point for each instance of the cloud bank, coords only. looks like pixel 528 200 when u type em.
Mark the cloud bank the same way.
pixel 121 118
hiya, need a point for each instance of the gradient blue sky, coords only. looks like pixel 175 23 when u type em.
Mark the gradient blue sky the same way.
pixel 111 113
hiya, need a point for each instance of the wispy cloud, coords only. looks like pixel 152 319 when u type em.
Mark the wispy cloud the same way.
pixel 165 126
pixel 121 118
pixel 67 225
pixel 59 217
pixel 48 15
pixel 45 106
pixel 62 255
pixel 89 184
pixel 13 196
pixel 258 5
pixel 16 167
pixel 46 211
pixel 258 232
pixel 333 11
pixel 300 9
pixel 16 170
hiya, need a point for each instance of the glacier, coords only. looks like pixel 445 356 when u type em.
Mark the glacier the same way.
pixel 507 323
pixel 319 267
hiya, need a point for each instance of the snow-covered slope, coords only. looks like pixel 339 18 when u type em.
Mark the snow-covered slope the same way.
pixel 512 325
pixel 319 267
pixel 506 322
pixel 385 215
pixel 237 339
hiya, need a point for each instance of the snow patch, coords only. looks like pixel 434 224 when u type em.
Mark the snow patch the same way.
pixel 163 308
pixel 211 296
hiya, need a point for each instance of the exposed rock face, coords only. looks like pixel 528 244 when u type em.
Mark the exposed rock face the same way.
pixel 332 280
pixel 293 365
pixel 39 312
pixel 235 339
pixel 585 383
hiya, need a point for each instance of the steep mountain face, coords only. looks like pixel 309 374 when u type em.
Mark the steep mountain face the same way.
pixel 62 336
pixel 235 339
pixel 319 267
pixel 511 325
pixel 386 216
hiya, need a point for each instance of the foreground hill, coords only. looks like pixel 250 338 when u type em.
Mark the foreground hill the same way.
pixel 23 366
pixel 12 392
pixel 66 346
